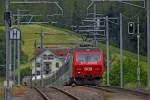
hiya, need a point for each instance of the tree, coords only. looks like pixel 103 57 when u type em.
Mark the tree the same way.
pixel 76 18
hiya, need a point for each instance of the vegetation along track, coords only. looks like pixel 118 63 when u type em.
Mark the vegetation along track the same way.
pixel 54 93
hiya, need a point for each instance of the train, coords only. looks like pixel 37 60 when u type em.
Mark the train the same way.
pixel 87 66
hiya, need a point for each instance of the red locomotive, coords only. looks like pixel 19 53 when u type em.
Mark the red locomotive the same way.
pixel 87 65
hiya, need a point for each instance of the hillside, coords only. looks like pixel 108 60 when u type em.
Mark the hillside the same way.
pixel 74 9
pixel 129 67
pixel 29 36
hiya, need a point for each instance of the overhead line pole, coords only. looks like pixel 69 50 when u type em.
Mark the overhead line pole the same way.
pixel 35 65
pixel 7 88
pixel 41 39
pixel 42 64
pixel 121 53
pixel 148 40
pixel 138 53
pixel 18 55
pixel 14 61
pixel 31 2
pixel 107 45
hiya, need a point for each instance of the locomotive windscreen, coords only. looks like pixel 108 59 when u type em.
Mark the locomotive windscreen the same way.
pixel 88 57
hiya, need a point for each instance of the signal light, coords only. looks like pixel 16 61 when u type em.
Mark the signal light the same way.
pixel 131 28
pixel 7 18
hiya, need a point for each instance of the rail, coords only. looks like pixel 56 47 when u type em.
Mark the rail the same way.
pixel 66 93
pixel 116 89
pixel 42 93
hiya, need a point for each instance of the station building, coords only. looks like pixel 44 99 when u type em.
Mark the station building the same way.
pixel 49 60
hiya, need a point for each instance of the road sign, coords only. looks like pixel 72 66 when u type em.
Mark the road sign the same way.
pixel 14 34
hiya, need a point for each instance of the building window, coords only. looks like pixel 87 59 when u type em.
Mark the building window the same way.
pixel 47 68
pixel 37 64
pixel 50 57
pixel 57 64
pixel 38 72
pixel 45 57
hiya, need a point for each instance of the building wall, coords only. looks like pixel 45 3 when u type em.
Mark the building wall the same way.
pixel 40 62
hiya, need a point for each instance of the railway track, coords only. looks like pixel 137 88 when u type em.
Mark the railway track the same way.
pixel 54 93
pixel 91 92
pixel 116 93
pixel 66 93
pixel 118 89
pixel 43 95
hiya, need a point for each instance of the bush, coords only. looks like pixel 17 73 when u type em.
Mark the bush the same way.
pixel 130 73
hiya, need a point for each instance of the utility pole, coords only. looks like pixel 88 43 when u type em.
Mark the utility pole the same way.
pixel 7 20
pixel 18 55
pixel 148 40
pixel 42 65
pixel 107 45
pixel 35 65
pixel 41 37
pixel 10 66
pixel 42 82
pixel 138 53
pixel 121 53
pixel 14 61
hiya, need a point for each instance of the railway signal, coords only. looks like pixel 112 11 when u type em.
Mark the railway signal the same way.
pixel 131 28
pixel 7 17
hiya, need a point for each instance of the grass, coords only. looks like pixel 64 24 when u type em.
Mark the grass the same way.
pixel 1 81
pixel 28 37
pixel 1 89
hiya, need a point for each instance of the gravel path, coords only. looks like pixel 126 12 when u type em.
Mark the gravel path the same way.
pixel 104 94
pixel 29 94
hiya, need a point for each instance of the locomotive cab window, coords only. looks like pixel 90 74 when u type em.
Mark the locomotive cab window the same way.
pixel 88 57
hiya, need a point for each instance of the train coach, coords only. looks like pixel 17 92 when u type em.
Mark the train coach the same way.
pixel 87 67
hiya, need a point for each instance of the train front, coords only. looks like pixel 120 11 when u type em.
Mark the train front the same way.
pixel 87 65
